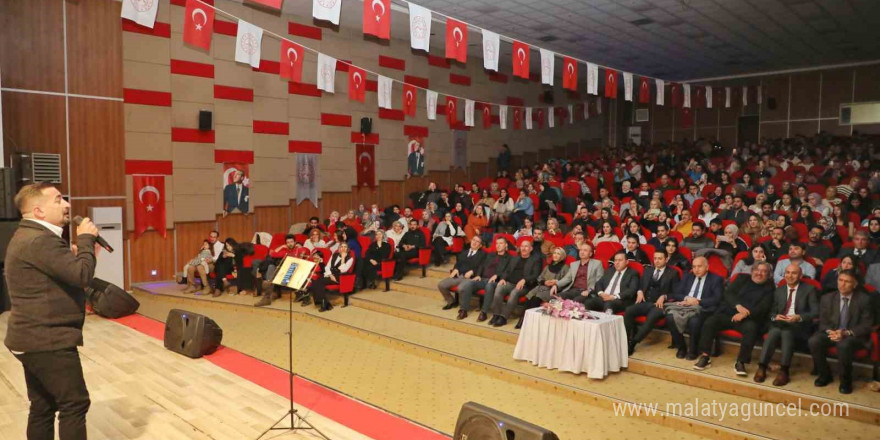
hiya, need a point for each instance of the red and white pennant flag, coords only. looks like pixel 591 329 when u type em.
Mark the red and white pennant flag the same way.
pixel 326 10
pixel 198 24
pixel 142 12
pixel 377 18
pixel 248 44
pixel 521 59
pixel 456 40
pixel 291 61
pixel 569 74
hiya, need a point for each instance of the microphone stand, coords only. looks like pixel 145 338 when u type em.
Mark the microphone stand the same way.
pixel 292 412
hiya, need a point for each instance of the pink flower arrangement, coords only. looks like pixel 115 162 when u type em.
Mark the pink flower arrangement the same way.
pixel 565 309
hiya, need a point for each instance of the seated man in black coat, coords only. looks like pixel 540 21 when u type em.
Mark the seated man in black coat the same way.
pixel 409 246
pixel 655 286
pixel 747 301
pixel 632 251
pixel 522 278
pixel 700 290
pixel 466 265
pixel 616 290
pixel 844 322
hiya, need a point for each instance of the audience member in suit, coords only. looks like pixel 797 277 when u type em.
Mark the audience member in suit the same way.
pixel 747 301
pixel 466 266
pixel 409 246
pixel 656 285
pixel 581 277
pixel 521 278
pixel 493 268
pixel 699 288
pixel 861 240
pixel 633 252
pixel 795 304
pixel 844 322
pixel 616 290
pixel 548 281
pixel 829 283
pixel 378 251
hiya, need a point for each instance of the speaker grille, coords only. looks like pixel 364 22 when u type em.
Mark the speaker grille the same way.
pixel 480 427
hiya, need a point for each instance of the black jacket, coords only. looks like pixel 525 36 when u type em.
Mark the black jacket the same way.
pixel 806 303
pixel 712 288
pixel 414 238
pixel 859 314
pixel 503 268
pixel 653 290
pixel 629 283
pixel 757 298
pixel 464 264
pixel 525 269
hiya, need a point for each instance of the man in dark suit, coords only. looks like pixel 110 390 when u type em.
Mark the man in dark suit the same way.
pixel 410 243
pixel 616 290
pixel 745 306
pixel 236 195
pixel 656 285
pixel 701 290
pixel 466 265
pixel 632 251
pixel 521 278
pixel 861 239
pixel 844 322
pixel 416 162
pixel 494 268
pixel 795 304
pixel 46 284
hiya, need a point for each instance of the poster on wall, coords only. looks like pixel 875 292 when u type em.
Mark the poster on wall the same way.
pixel 459 149
pixel 365 162
pixel 236 188
pixel 415 160
pixel 307 178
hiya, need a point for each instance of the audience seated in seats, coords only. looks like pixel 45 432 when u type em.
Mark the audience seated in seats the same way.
pixel 502 209
pixel 753 228
pixel 616 290
pixel 633 252
pixel 421 200
pixel 727 245
pixel 676 259
pixel 861 241
pixel 549 281
pixel 525 230
pixel 737 212
pixel 522 277
pixel 395 234
pixel 795 305
pixel 460 196
pixel 817 248
pixel 845 320
pixel 795 255
pixel 341 262
pixel 413 240
pixel 494 268
pixel 604 233
pixel 633 229
pixel 467 264
pixel 695 299
pixel 540 244
pixel 829 282
pixel 574 248
pixel 582 219
pixel 200 264
pixel 446 231
pixel 744 308
pixel 378 251
pixel 406 216
pixel 314 223
pixel 315 240
pixel 459 215
pixel 225 266
pixel 656 285
pixel 698 240
pixel 660 236
pixel 522 209
pixel 744 266
pixel 476 223
pixel 268 267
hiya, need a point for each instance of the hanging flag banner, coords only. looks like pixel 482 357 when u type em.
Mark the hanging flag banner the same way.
pixel 149 204
pixel 727 97
pixel 661 90
pixel 592 79
pixel 291 61
pixel 528 118
pixel 365 162
pixel 708 97
pixel 459 149
pixel 491 49
pixel 521 55
pixel 745 95
pixel 431 104
pixel 611 83
pixel 419 27
pixel 760 98
pixel 415 160
pixel 469 112
pixel 502 117
pixel 409 99
pixel 377 18
pixel 571 113
pixel 248 44
pixel 517 118
pixel 456 40
pixel 326 73
pixel 687 118
pixel 384 92
pixel 586 108
pixel 551 118
pixel 687 95
pixel 307 178
pixel 142 12
pixel 236 187
pixel 569 74
pixel 628 86
pixel 675 92
pixel 547 66
pixel 198 24
pixel 327 10
pixel 451 111
pixel 486 111
pixel 699 97
pixel 644 90
pixel 357 87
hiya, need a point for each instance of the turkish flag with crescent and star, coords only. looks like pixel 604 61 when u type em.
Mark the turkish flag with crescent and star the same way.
pixel 456 40
pixel 486 110
pixel 517 118
pixel 198 24
pixel 520 59
pixel 409 99
pixel 377 18
pixel 675 91
pixel 569 74
pixel 149 204
pixel 451 111
pixel 291 61
pixel 644 90
pixel 365 160
pixel 611 83
pixel 357 84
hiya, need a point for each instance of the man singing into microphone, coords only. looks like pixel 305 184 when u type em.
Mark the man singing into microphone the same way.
pixel 46 282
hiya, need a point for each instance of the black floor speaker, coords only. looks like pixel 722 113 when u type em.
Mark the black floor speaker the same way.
pixel 109 300
pixel 478 422
pixel 191 334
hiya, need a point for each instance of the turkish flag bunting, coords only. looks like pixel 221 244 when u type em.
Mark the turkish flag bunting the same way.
pixel 644 90
pixel 365 156
pixel 611 83
pixel 521 59
pixel 486 110
pixel 687 118
pixel 149 204
pixel 539 117
pixel 377 18
pixel 569 74
pixel 451 111
pixel 357 84
pixel 409 99
pixel 700 97
pixel 291 61
pixel 198 24
pixel 517 118
pixel 274 4
pixel 675 91
pixel 456 40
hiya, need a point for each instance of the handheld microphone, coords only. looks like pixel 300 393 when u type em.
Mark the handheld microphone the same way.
pixel 100 240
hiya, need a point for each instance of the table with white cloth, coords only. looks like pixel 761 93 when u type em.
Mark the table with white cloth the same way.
pixel 594 346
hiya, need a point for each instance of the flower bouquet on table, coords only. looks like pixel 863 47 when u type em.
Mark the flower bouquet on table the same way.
pixel 565 309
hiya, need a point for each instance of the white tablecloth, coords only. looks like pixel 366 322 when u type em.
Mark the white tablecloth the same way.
pixel 595 346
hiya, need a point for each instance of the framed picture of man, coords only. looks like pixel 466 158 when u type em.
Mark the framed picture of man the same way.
pixel 236 188
pixel 415 163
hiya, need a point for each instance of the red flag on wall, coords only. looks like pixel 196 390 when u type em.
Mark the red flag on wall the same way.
pixel 198 24
pixel 538 116
pixel 451 111
pixel 366 165
pixel 274 4
pixel 699 100
pixel 409 99
pixel 377 18
pixel 644 90
pixel 520 59
pixel 517 118
pixel 291 61
pixel 487 115
pixel 687 118
pixel 149 204
pixel 456 40
pixel 569 74
pixel 611 83
pixel 357 84
pixel 675 92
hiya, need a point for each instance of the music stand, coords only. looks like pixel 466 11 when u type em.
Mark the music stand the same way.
pixel 295 274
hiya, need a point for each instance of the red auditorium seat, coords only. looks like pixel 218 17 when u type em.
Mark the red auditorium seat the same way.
pixel 386 271
pixel 346 283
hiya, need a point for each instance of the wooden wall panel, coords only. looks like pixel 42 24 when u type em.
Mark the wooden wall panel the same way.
pixel 529 158
pixel 335 201
pixel 97 159
pixel 152 252
pixel 441 178
pixel 804 128
pixel 478 171
pixel 457 175
pixel 364 195
pixel 94 52
pixel 776 87
pixel 804 95
pixel 189 238
pixel 836 88
pixel 774 130
pixel 35 123
pixel 300 213
pixel 238 226
pixel 272 219
pixel 867 87
pixel 391 192
pixel 415 184
pixel 32 45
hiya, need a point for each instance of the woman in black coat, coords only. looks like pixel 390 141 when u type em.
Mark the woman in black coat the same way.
pixel 377 252
pixel 225 266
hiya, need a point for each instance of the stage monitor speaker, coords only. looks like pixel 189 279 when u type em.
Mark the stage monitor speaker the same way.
pixel 191 334
pixel 205 120
pixel 478 422
pixel 771 103
pixel 109 300
pixel 366 125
